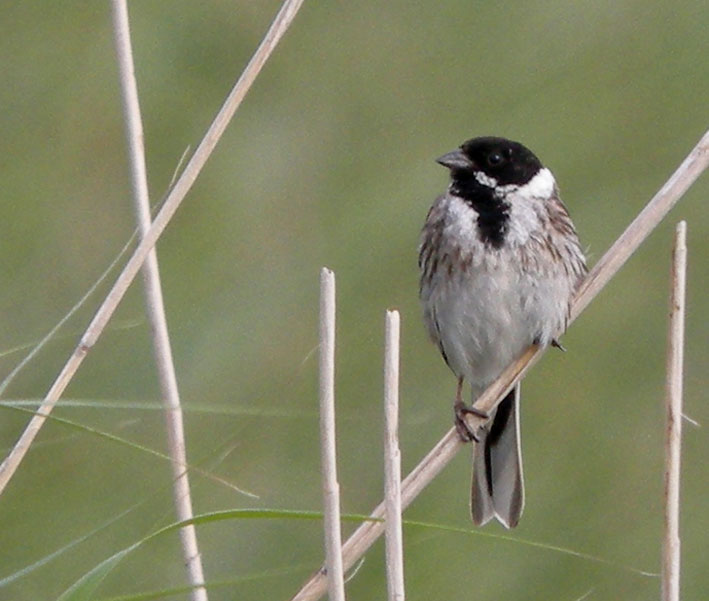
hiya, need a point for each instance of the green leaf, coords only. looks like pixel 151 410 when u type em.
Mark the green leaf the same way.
pixel 84 588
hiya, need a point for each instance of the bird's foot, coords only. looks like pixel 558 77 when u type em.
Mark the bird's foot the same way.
pixel 465 432
pixel 556 344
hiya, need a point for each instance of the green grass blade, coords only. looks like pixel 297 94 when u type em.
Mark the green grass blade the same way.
pixel 83 589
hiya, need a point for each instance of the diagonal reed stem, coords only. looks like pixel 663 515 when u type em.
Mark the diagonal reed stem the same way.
pixel 155 306
pixel 280 25
pixel 441 454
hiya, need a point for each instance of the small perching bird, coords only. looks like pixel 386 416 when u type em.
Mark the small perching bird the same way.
pixel 500 261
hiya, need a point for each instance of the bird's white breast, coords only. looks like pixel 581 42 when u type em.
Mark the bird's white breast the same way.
pixel 487 314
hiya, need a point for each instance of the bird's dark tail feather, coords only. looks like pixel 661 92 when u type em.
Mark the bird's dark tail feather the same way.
pixel 498 485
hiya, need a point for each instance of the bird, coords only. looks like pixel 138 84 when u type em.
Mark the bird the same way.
pixel 499 261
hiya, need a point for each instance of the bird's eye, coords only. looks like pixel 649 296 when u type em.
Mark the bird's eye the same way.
pixel 494 158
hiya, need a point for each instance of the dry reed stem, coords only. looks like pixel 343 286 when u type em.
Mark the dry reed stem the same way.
pixel 611 262
pixel 279 26
pixel 673 430
pixel 392 461
pixel 328 448
pixel 155 307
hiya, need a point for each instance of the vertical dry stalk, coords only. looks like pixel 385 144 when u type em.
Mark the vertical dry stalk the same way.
pixel 154 303
pixel 673 402
pixel 328 451
pixel 446 448
pixel 392 461
pixel 209 142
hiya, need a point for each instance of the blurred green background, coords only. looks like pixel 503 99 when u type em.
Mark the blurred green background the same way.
pixel 330 161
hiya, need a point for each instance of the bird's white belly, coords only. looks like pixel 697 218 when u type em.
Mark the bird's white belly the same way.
pixel 487 321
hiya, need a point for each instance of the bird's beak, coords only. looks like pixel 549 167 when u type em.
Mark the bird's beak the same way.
pixel 455 159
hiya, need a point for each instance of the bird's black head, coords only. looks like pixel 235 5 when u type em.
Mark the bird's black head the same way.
pixel 492 162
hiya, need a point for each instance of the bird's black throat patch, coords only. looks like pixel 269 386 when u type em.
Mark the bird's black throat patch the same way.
pixel 493 212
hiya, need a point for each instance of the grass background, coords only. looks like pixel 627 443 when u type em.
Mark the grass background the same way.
pixel 330 161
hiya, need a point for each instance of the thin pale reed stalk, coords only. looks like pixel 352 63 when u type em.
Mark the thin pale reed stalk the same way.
pixel 328 447
pixel 673 405
pixel 177 194
pixel 392 461
pixel 155 307
pixel 441 454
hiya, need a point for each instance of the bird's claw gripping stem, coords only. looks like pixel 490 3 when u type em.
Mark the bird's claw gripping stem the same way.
pixel 465 432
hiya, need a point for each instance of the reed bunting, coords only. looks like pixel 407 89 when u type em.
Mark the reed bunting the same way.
pixel 500 262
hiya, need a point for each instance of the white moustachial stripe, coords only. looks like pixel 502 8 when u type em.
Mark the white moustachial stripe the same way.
pixel 485 180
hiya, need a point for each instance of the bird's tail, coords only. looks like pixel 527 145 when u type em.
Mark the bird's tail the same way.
pixel 498 485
